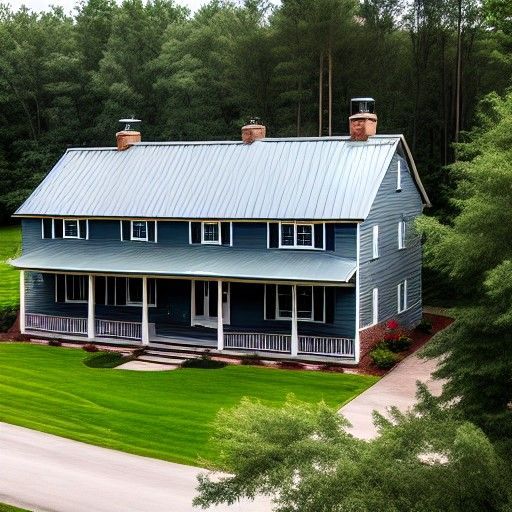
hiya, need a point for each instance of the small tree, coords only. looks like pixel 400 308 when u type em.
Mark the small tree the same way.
pixel 303 457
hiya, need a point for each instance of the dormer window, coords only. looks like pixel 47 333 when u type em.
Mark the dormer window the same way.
pixel 139 230
pixel 210 233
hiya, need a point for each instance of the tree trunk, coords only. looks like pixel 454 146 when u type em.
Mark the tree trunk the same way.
pixel 320 94
pixel 330 91
pixel 458 78
pixel 299 108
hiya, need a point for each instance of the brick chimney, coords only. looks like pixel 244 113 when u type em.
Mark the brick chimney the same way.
pixel 253 131
pixel 362 120
pixel 127 137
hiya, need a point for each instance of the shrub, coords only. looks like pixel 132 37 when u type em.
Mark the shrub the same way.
pixel 54 343
pixel 205 363
pixel 383 357
pixel 251 360
pixel 106 360
pixel 90 347
pixel 400 344
pixel 425 325
pixel 7 317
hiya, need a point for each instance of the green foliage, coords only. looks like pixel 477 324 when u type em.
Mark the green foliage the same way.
pixel 475 252
pixel 10 245
pixel 399 344
pixel 302 456
pixel 105 360
pixel 66 80
pixel 7 317
pixel 383 356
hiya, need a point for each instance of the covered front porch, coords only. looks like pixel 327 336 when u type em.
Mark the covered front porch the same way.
pixel 220 315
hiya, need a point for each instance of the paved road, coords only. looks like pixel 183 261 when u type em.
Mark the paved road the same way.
pixel 42 472
pixel 398 388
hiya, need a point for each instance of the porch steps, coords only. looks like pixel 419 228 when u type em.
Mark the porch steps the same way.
pixel 168 357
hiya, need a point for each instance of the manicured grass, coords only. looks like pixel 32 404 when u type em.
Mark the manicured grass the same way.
pixel 10 241
pixel 165 415
pixel 10 508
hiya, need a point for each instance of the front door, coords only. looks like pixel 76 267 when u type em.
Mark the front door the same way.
pixel 205 303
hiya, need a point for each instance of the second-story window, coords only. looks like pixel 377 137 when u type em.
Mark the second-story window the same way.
pixel 139 230
pixel 64 228
pixel 301 236
pixel 210 233
pixel 375 242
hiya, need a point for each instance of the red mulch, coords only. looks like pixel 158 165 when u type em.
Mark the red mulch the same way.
pixel 419 338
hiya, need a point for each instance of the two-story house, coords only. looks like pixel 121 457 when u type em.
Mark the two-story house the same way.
pixel 297 246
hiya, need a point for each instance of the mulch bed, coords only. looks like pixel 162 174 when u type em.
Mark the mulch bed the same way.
pixel 419 338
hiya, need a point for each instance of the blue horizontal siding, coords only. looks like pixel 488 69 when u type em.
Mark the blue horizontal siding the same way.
pixel 250 235
pixel 393 265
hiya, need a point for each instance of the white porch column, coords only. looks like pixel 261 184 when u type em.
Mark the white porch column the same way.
pixel 192 302
pixel 220 325
pixel 295 331
pixel 22 301
pixel 91 323
pixel 145 315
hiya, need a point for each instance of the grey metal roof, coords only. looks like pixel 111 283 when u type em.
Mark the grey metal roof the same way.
pixel 298 178
pixel 189 261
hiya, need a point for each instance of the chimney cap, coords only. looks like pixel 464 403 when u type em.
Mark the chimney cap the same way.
pixel 128 122
pixel 362 106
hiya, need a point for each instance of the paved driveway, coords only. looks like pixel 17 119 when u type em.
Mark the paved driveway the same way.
pixel 42 472
pixel 398 388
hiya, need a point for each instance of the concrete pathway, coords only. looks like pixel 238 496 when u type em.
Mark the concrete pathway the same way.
pixel 398 388
pixel 42 472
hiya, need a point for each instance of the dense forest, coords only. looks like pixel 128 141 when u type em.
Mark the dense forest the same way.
pixel 66 80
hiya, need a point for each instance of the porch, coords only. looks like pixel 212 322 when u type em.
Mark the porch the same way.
pixel 234 342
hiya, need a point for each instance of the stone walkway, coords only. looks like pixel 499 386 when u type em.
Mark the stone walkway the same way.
pixel 398 388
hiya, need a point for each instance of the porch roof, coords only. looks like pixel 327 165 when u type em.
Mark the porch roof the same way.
pixel 189 261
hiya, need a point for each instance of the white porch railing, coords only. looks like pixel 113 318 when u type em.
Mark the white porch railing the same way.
pixel 117 329
pixel 258 341
pixel 52 323
pixel 320 345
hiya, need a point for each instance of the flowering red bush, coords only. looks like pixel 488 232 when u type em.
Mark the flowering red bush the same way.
pixel 392 325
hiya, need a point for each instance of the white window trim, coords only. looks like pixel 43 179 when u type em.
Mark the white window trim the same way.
pixel 137 239
pixel 375 306
pixel 309 319
pixel 404 284
pixel 77 228
pixel 375 242
pixel 401 234
pixel 71 301
pixel 295 246
pixel 206 242
pixel 132 303
pixel 399 176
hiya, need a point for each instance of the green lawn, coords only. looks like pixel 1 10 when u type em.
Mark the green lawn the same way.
pixel 10 508
pixel 165 415
pixel 10 239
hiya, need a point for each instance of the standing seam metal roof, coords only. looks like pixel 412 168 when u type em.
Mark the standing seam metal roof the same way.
pixel 300 178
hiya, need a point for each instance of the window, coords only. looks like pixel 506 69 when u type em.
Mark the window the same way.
pixel 210 233
pixel 76 288
pixel 301 236
pixel 375 242
pixel 375 306
pixel 399 176
pixel 71 228
pixel 134 291
pixel 401 234
pixel 402 296
pixel 64 228
pixel 310 303
pixel 139 230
